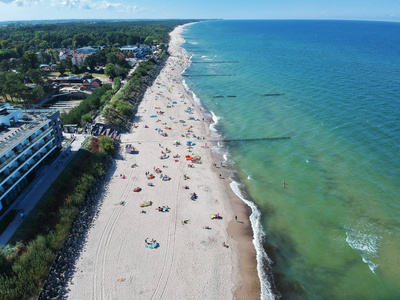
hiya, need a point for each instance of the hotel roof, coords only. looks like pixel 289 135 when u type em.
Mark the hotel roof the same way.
pixel 30 121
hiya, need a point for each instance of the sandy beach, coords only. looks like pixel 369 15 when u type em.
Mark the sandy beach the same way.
pixel 196 257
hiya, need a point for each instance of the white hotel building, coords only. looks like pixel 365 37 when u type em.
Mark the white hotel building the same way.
pixel 27 137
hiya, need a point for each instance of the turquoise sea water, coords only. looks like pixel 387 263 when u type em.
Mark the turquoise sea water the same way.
pixel 335 227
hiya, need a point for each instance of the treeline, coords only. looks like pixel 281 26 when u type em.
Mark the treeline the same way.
pixel 24 47
pixel 14 75
pixel 124 103
pixel 83 112
pixel 25 260
pixel 12 85
pixel 16 40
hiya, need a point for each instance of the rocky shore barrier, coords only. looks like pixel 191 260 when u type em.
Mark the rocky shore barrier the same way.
pixel 63 268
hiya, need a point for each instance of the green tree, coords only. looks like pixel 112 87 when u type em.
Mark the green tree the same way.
pixel 109 70
pixel 14 85
pixel 75 69
pixel 120 71
pixel 107 144
pixel 112 58
pixel 6 54
pixel 61 67
pixel 67 43
pixel 35 94
pixel 91 62
pixel 117 83
pixel 5 44
pixel 68 63
pixel 4 65
pixel 19 50
pixel 3 78
pixel 81 39
pixel 54 56
pixel 124 107
pixel 36 76
pixel 31 60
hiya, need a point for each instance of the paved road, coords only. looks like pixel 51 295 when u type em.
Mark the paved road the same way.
pixel 45 178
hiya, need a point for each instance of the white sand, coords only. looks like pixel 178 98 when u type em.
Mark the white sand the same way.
pixel 191 262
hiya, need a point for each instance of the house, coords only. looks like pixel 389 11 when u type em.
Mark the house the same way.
pixel 128 49
pixel 78 58
pixel 95 83
pixel 62 55
pixel 91 84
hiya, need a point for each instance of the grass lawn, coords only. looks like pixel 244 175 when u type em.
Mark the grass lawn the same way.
pixel 104 78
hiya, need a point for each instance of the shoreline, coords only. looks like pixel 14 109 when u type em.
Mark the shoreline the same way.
pixel 196 257
pixel 248 286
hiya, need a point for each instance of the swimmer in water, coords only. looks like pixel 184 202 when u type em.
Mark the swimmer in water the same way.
pixel 284 184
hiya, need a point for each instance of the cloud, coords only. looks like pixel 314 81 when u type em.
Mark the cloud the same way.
pixel 78 4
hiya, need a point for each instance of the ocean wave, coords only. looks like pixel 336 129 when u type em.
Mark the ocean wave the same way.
pixel 370 264
pixel 255 217
pixel 191 93
pixel 215 119
pixel 258 235
pixel 366 244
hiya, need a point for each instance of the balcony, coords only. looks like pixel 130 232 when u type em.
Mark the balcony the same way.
pixel 35 158
pixel 8 187
pixel 26 147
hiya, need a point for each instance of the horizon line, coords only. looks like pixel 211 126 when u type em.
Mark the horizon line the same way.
pixel 195 19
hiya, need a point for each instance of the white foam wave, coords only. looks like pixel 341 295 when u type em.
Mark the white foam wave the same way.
pixel 255 217
pixel 361 241
pixel 190 92
pixel 258 234
pixel 189 63
pixel 365 243
pixel 216 119
pixel 370 264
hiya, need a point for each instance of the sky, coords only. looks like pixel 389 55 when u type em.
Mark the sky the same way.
pixel 380 10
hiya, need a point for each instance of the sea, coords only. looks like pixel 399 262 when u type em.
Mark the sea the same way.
pixel 308 115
